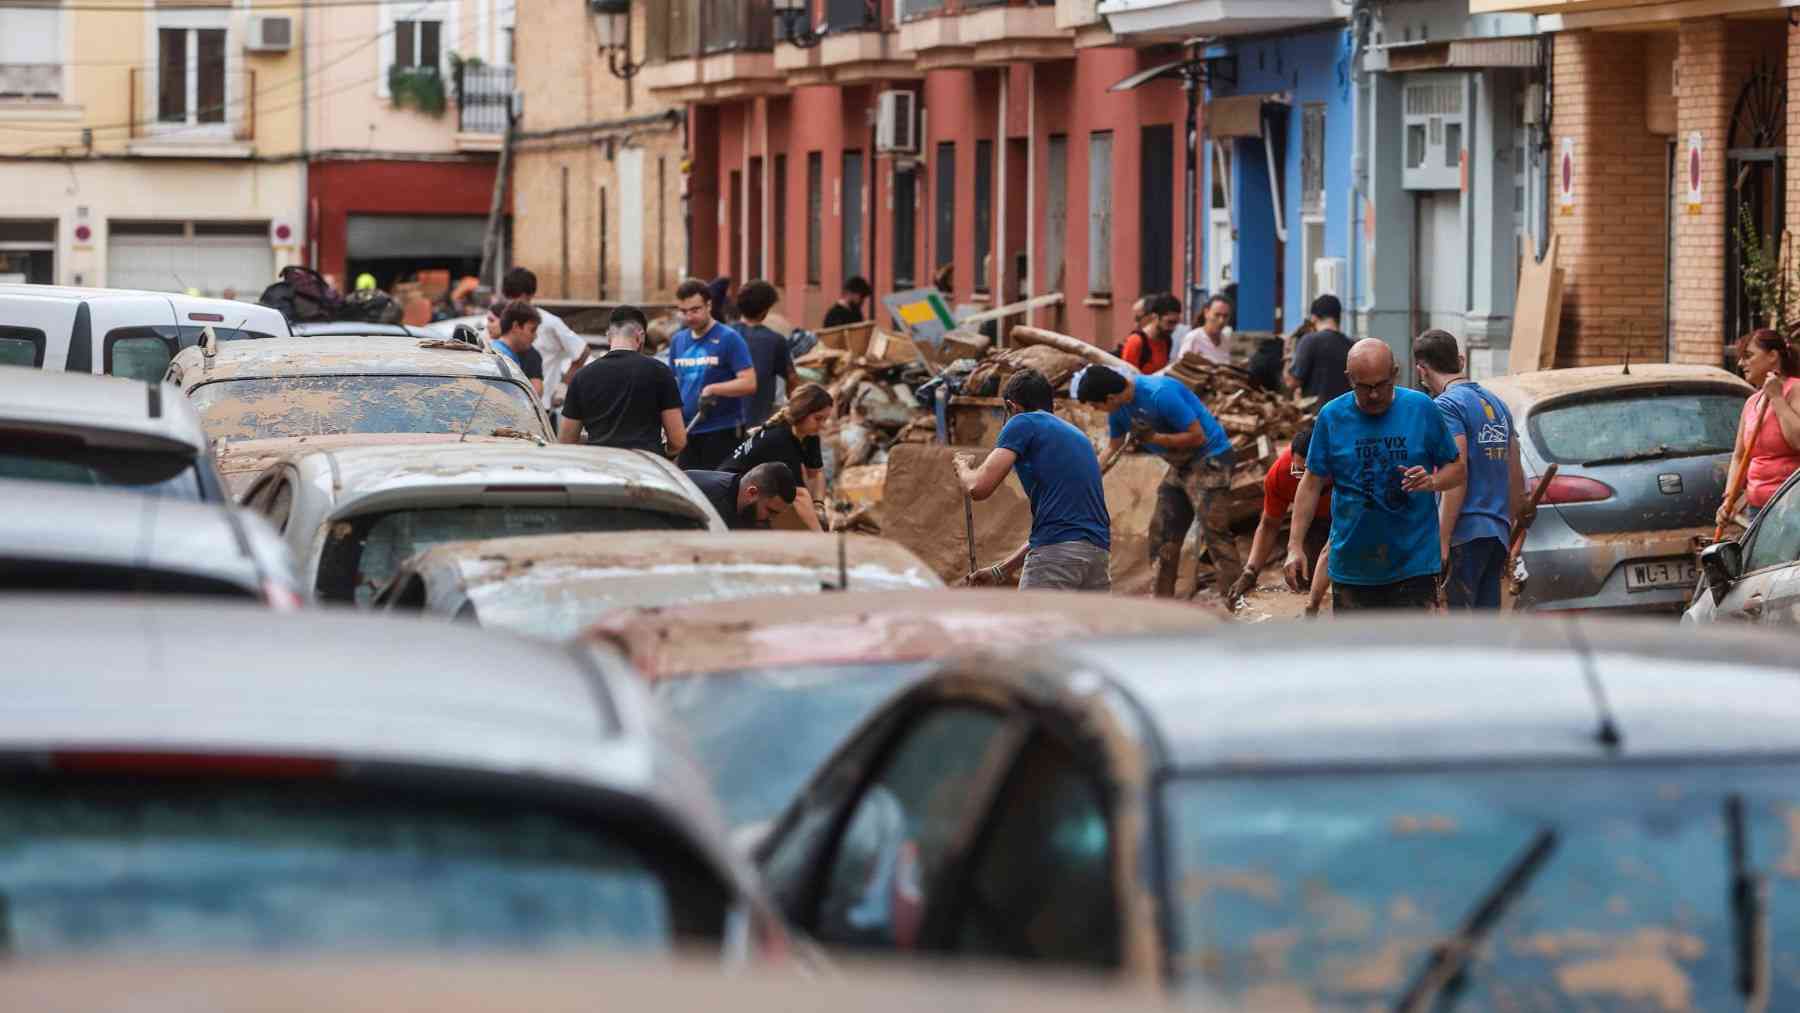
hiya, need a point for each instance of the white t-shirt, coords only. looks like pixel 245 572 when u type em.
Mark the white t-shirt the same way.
pixel 560 347
pixel 1197 343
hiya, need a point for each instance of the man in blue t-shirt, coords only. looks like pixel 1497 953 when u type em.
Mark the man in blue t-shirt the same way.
pixel 1384 450
pixel 1071 534
pixel 716 375
pixel 1475 521
pixel 1167 418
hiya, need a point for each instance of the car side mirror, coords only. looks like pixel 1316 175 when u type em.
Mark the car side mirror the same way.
pixel 466 334
pixel 1723 563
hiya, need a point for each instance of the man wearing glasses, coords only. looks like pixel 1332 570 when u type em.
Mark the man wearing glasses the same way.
pixel 1385 451
pixel 716 375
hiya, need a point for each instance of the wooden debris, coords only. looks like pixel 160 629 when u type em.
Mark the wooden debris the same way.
pixel 1023 335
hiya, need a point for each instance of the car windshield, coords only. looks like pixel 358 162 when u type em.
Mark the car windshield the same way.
pixel 761 732
pixel 1638 424
pixel 362 554
pixel 147 865
pixel 1329 890
pixel 324 405
pixel 171 475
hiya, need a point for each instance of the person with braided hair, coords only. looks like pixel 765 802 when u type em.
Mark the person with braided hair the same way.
pixel 791 436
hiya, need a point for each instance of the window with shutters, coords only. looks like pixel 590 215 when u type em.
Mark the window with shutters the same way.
pixel 1100 205
pixel 416 38
pixel 984 212
pixel 1056 218
pixel 1312 158
pixel 854 210
pixel 945 170
pixel 815 214
pixel 31 53
pixel 779 214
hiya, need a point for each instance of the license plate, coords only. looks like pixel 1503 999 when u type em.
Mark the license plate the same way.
pixel 1680 571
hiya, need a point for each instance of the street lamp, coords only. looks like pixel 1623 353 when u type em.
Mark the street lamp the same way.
pixel 796 22
pixel 612 22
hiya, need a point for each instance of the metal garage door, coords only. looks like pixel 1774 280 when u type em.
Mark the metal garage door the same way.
pixel 372 237
pixel 212 257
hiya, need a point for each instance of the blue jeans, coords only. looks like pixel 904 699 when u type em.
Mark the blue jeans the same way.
pixel 1475 571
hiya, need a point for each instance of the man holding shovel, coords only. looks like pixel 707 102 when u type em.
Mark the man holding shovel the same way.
pixel 1070 547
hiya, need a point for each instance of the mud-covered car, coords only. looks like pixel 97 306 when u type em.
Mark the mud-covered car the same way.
pixel 323 386
pixel 552 586
pixel 1507 814
pixel 1755 578
pixel 768 686
pixel 351 516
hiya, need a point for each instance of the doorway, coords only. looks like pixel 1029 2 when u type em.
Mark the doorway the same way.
pixel 1755 175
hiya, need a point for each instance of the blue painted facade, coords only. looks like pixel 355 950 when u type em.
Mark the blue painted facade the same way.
pixel 1309 66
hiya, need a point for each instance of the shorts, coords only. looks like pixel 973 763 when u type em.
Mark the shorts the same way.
pixel 1067 566
pixel 1419 593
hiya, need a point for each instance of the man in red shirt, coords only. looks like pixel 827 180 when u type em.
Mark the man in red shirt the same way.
pixel 1280 486
pixel 1147 347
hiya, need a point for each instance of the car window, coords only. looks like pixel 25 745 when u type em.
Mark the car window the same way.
pixel 143 865
pixel 1049 826
pixel 1655 423
pixel 21 346
pixel 902 828
pixel 73 463
pixel 1331 889
pixel 143 357
pixel 322 405
pixel 363 553
pixel 1777 537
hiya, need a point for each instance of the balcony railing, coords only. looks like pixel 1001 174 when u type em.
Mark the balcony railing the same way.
pixel 483 98
pixel 204 106
pixel 852 15
pixel 683 29
pixel 910 9
pixel 30 82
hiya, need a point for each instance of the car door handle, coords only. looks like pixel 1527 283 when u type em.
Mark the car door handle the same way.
pixel 1753 606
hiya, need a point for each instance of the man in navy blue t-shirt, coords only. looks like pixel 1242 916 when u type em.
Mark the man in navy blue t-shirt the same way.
pixel 1475 521
pixel 714 370
pixel 1171 422
pixel 1071 534
pixel 1384 450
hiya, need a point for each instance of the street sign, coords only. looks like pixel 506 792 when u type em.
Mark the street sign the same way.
pixel 1696 148
pixel 1565 197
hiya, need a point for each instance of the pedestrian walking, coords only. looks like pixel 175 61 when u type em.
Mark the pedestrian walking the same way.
pixel 791 437
pixel 1070 546
pixel 518 332
pixel 1211 340
pixel 1147 347
pixel 1384 450
pixel 1280 486
pixel 1475 519
pixel 750 500
pixel 624 398
pixel 563 351
pixel 716 375
pixel 849 307
pixel 1168 419
pixel 1770 425
pixel 1321 357
pixel 768 349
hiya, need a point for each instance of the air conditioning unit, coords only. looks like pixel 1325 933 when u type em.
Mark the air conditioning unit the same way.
pixel 1328 277
pixel 897 123
pixel 1434 133
pixel 271 33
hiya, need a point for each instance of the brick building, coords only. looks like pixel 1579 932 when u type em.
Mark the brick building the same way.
pixel 597 163
pixel 1674 120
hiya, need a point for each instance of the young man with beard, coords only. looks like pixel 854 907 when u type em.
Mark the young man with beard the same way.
pixel 752 499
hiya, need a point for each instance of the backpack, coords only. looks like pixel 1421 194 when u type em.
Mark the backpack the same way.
pixel 302 296
pixel 370 306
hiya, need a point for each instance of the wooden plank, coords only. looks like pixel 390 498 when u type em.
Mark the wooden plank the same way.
pixel 1534 320
pixel 974 320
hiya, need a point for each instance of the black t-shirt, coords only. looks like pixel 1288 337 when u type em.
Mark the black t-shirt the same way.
pixel 769 355
pixel 776 443
pixel 721 489
pixel 1319 364
pixel 620 398
pixel 839 315
pixel 533 365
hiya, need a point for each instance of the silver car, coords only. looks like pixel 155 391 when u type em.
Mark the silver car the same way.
pixel 553 586
pixel 60 537
pixel 291 387
pixel 1641 460
pixel 104 431
pixel 1755 579
pixel 197 777
pixel 351 516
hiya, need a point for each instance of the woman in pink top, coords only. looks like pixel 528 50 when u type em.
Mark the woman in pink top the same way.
pixel 1771 363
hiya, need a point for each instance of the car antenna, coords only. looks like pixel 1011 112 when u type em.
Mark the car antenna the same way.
pixel 843 560
pixel 1627 358
pixel 473 412
pixel 1607 734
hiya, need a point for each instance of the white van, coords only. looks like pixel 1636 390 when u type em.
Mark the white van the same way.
pixel 118 332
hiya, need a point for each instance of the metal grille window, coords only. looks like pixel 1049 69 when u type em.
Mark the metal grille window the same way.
pixel 1438 98
pixel 919 8
pixel 1100 223
pixel 945 170
pixel 1312 158
pixel 815 214
pixel 984 211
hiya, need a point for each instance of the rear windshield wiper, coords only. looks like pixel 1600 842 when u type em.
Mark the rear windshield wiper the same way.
pixel 1748 914
pixel 1661 450
pixel 1451 956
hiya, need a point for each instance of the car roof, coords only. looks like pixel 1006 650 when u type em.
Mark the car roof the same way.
pixel 238 458
pixel 50 522
pixel 859 627
pixel 233 311
pixel 318 356
pixel 1525 389
pixel 345 328
pixel 1394 690
pixel 53 398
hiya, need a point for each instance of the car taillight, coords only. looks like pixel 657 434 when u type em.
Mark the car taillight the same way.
pixel 280 597
pixel 113 761
pixel 1575 489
